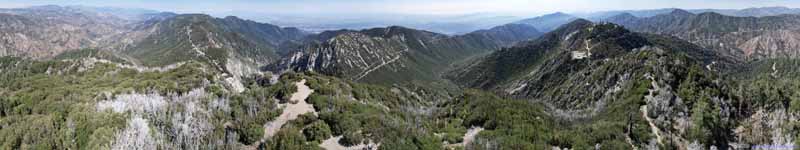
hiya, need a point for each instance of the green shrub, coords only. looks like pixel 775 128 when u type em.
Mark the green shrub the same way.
pixel 251 133
pixel 351 138
pixel 317 131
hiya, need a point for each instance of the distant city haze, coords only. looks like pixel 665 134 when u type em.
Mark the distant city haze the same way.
pixel 443 16
pixel 426 7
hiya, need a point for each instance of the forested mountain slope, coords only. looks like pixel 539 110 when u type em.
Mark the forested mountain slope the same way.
pixel 186 37
pixel 393 54
pixel 115 79
pixel 678 93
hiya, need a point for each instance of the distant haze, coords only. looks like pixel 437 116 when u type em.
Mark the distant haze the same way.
pixel 516 7
pixel 443 16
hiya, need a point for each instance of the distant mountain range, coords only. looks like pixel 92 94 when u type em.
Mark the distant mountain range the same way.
pixel 746 38
pixel 46 31
pixel 158 39
pixel 108 78
pixel 460 24
pixel 549 22
pixel 747 12
pixel 446 24
pixel 746 34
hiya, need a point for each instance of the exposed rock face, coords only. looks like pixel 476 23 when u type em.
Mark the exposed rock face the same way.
pixel 140 37
pixel 47 32
pixel 397 53
pixel 351 54
pixel 767 127
pixel 745 38
pixel 142 40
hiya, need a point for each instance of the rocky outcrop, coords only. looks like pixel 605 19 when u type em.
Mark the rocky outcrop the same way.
pixel 44 37
pixel 392 54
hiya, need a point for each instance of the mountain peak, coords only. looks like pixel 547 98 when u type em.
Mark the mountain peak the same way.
pixel 548 22
pixel 558 14
pixel 626 15
pixel 396 27
pixel 194 16
pixel 770 7
pixel 232 18
pixel 47 7
pixel 576 24
pixel 622 17
pixel 391 31
pixel 680 12
pixel 707 14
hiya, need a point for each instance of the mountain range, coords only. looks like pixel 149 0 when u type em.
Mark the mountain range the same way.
pixel 76 77
pixel 397 53
pixel 746 38
pixel 446 24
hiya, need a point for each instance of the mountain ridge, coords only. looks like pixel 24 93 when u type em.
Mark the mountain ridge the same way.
pixel 417 51
pixel 746 38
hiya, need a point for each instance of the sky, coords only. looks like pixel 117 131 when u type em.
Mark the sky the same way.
pixel 518 7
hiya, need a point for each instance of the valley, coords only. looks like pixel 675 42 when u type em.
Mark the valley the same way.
pixel 74 77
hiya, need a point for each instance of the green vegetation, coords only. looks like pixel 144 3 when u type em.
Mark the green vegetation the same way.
pixel 91 53
pixel 519 124
pixel 51 104
pixel 362 113
pixel 253 108
pixel 232 38
pixel 317 131
pixel 290 138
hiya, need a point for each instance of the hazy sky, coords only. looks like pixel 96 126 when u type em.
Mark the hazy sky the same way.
pixel 405 6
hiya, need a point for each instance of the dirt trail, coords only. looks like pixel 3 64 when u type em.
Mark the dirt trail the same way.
pixel 653 126
pixel 297 106
pixel 471 133
pixel 651 95
pixel 469 137
pixel 333 144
